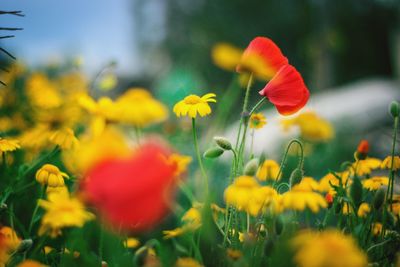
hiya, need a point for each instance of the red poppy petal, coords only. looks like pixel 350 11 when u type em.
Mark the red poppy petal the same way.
pixel 288 110
pixel 286 89
pixel 267 50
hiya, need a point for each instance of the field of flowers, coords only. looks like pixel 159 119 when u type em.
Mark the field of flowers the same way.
pixel 93 180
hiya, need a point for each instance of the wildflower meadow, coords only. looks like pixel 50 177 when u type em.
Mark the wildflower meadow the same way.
pixel 92 176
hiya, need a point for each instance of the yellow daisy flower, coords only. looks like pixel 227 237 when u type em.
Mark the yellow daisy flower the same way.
pixel 363 210
pixel 193 104
pixel 328 248
pixel 301 197
pixel 268 171
pixel 61 211
pixel 131 242
pixel 7 145
pixel 240 192
pixel 64 138
pixel 262 198
pixel 365 166
pixel 187 262
pixel 191 222
pixel 326 181
pixel 180 161
pixel 387 163
pixel 226 56
pixel 376 182
pixel 257 121
pixel 50 175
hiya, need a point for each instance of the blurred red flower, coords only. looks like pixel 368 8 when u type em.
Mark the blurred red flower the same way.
pixel 286 90
pixel 134 193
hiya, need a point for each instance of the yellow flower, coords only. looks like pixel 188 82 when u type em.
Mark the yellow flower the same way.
pixel 257 121
pixel 234 254
pixel 191 222
pixel 193 104
pixel 347 209
pixel 363 210
pixel 377 228
pixel 61 211
pixel 226 56
pixel 131 242
pixel 396 205
pixel 374 183
pixel 301 197
pixel 42 92
pixel 307 184
pixel 365 166
pixel 180 161
pixel 50 175
pixel 56 190
pixel 328 248
pixel 312 127
pixel 138 107
pixel 330 179
pixel 7 145
pixel 268 171
pixel 64 138
pixel 187 262
pixel 30 263
pixel 387 163
pixel 261 199
pixel 240 192
pixel 110 144
pixel 9 243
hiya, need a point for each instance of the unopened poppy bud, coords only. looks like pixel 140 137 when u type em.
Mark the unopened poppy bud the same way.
pixel 223 143
pixel 379 198
pixel 279 225
pixel 251 167
pixel 296 177
pixel 25 245
pixel 329 199
pixel 394 109
pixel 213 152
pixel 362 150
pixel 356 191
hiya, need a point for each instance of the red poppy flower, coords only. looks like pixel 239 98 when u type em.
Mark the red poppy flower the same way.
pixel 135 193
pixel 286 90
pixel 262 57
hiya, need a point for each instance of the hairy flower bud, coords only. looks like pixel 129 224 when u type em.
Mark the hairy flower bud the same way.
pixel 296 177
pixel 394 109
pixel 356 191
pixel 379 198
pixel 251 167
pixel 223 143
pixel 213 152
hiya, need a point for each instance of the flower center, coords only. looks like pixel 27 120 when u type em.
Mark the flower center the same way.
pixel 192 99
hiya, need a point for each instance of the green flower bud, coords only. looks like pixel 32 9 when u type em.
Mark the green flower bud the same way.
pixel 356 191
pixel 296 177
pixel 223 143
pixel 394 109
pixel 379 199
pixel 279 225
pixel 251 167
pixel 213 152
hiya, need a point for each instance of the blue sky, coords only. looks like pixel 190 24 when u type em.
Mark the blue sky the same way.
pixel 98 30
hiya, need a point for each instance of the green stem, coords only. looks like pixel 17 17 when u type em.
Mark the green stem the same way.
pixel 396 124
pixel 196 147
pixel 42 191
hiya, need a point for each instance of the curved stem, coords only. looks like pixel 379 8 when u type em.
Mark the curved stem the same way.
pixel 196 147
pixel 300 165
